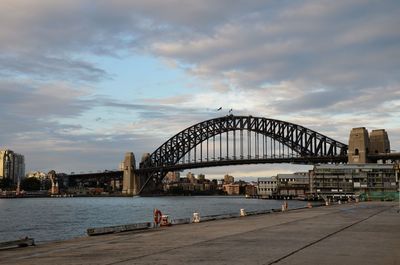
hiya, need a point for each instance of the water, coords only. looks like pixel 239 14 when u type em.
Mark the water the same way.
pixel 53 219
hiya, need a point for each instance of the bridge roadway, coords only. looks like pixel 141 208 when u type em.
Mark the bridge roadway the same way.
pixel 364 233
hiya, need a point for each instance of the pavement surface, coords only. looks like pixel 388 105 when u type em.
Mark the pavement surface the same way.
pixel 362 233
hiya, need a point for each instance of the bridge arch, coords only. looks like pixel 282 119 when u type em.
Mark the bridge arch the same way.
pixel 306 143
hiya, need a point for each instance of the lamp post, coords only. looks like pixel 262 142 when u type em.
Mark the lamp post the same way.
pixel 397 170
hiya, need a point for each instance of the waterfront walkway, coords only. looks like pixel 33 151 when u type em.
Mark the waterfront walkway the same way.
pixel 363 233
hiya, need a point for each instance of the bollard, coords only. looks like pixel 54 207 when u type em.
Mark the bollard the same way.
pixel 242 212
pixel 196 218
pixel 165 221
pixel 339 202
pixel 328 202
pixel 284 206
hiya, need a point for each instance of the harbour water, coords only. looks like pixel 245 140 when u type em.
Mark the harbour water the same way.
pixel 54 219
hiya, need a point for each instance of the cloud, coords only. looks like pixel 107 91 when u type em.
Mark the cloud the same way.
pixel 33 100
pixel 52 68
pixel 327 65
pixel 334 45
pixel 343 49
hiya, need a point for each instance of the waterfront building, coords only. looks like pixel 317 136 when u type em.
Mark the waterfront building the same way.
pixel 37 174
pixel 251 190
pixel 172 177
pixel 232 189
pixel 353 179
pixel 191 177
pixel 189 185
pixel 296 184
pixel 267 186
pixel 12 166
pixel 282 185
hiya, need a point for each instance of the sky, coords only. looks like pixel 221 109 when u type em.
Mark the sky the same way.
pixel 82 82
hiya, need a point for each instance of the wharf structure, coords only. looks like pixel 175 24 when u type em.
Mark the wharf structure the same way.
pixel 284 185
pixel 354 180
pixel 334 180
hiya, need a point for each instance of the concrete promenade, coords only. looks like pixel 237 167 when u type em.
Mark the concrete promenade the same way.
pixel 363 233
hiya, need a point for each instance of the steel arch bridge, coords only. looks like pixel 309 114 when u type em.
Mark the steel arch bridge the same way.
pixel 238 140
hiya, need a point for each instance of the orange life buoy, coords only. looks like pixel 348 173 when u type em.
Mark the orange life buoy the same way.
pixel 157 216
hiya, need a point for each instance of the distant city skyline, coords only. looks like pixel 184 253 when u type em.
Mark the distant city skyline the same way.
pixel 83 82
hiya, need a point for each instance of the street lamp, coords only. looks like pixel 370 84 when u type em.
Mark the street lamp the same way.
pixel 397 170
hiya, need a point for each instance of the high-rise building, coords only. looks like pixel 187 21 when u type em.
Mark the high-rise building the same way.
pixel 172 177
pixel 12 166
pixel 191 177
pixel 228 179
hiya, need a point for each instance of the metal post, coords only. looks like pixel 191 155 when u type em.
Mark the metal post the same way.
pixel 234 144
pixel 207 148
pixel 241 144
pixel 270 145
pixel 195 152
pixel 214 147
pixel 249 144
pixel 201 151
pixel 263 145
pixel 220 146
pixel 257 140
pixel 227 145
pixel 397 170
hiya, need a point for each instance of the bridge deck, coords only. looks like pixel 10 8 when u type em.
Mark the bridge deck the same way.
pixel 365 233
pixel 232 162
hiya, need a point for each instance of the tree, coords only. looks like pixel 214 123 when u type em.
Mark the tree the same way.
pixel 5 183
pixel 30 184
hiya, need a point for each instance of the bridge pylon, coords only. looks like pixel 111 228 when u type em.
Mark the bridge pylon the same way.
pixel 131 182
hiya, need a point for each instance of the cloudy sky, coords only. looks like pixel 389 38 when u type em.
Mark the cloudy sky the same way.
pixel 83 82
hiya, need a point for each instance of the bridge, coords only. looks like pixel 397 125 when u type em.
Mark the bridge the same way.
pixel 235 140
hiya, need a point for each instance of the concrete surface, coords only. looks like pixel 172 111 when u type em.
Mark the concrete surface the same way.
pixel 364 233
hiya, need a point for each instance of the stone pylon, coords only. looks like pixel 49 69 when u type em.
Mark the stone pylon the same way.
pixel 379 141
pixel 359 144
pixel 131 182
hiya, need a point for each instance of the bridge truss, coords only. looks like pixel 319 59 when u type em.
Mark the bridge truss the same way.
pixel 237 140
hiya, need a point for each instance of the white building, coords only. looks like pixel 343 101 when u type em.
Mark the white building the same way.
pixel 267 187
pixel 296 184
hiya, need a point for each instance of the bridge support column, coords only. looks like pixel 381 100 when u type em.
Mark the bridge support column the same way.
pixel 358 146
pixel 131 182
